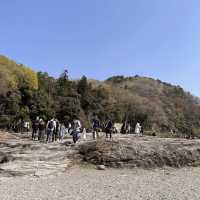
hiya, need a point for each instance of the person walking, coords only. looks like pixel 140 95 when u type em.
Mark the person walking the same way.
pixel 76 130
pixel 50 130
pixel 62 131
pixel 108 128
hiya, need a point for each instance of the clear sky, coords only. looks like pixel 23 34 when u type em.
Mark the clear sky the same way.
pixel 101 38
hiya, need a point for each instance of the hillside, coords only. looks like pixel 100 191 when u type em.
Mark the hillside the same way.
pixel 13 75
pixel 159 106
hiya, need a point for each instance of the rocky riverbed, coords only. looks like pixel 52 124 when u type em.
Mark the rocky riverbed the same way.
pixel 90 184
pixel 37 171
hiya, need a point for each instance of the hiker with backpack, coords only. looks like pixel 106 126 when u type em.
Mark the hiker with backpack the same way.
pixel 96 128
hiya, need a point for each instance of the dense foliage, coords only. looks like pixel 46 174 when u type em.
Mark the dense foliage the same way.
pixel 13 76
pixel 25 94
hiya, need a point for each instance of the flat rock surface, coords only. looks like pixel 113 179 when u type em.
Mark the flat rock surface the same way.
pixel 19 156
pixel 128 151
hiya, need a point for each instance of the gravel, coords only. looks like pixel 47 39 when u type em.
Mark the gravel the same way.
pixel 81 183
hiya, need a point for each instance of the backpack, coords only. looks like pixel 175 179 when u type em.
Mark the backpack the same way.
pixel 77 125
pixel 36 123
pixel 50 125
pixel 96 124
pixel 109 125
pixel 41 126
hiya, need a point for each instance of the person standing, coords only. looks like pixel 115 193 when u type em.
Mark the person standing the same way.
pixel 50 130
pixel 42 127
pixel 26 126
pixel 84 133
pixel 35 127
pixel 124 127
pixel 137 129
pixel 76 130
pixel 142 130
pixel 96 128
pixel 56 130
pixel 109 127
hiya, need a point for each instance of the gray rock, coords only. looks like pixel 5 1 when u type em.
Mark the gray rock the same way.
pixel 101 167
pixel 145 152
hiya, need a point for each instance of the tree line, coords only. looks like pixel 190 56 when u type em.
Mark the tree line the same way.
pixel 25 94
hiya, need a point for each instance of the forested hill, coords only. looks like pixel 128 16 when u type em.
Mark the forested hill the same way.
pixel 157 105
pixel 165 106
pixel 13 75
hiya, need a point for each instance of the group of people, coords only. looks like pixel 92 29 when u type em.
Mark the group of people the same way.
pixel 127 129
pixel 97 127
pixel 53 130
pixel 20 126
pixel 110 128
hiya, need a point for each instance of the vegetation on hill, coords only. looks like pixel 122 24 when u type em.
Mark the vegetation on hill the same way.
pixel 157 105
pixel 164 106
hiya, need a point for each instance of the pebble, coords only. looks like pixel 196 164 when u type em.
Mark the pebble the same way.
pixel 101 167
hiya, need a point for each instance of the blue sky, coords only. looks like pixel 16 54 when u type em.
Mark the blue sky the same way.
pixel 101 38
